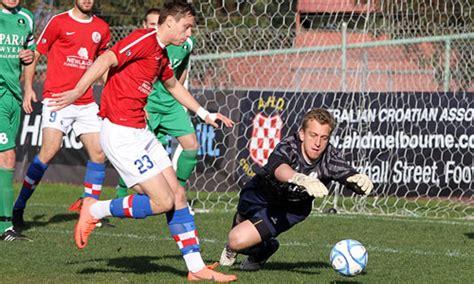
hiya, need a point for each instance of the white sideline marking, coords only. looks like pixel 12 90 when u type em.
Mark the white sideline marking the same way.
pixel 449 253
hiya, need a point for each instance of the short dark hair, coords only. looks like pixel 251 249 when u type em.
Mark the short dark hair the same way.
pixel 151 11
pixel 320 115
pixel 177 9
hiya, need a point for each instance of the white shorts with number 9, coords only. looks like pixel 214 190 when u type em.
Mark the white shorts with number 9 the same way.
pixel 135 153
pixel 82 118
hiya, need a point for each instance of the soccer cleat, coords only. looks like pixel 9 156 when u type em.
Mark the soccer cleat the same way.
pixel 207 274
pixel 76 206
pixel 86 223
pixel 228 256
pixel 256 262
pixel 11 235
pixel 17 218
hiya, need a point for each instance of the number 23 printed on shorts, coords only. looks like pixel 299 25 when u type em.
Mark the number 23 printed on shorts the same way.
pixel 144 164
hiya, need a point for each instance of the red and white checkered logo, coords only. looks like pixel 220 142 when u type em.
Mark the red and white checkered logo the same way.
pixel 186 239
pixel 266 134
pixel 91 188
pixel 127 204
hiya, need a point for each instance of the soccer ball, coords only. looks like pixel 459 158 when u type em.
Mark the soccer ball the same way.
pixel 349 257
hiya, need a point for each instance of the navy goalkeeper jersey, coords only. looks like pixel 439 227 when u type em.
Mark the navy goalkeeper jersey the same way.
pixel 267 189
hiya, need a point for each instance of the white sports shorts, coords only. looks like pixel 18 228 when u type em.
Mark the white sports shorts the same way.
pixel 135 153
pixel 82 118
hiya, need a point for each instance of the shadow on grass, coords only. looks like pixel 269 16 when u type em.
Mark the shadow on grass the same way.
pixel 297 267
pixel 469 235
pixel 134 264
pixel 59 218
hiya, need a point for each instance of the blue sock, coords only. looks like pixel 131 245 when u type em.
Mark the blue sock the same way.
pixel 133 206
pixel 95 175
pixel 183 230
pixel 33 176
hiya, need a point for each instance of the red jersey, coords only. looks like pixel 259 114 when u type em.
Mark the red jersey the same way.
pixel 71 45
pixel 141 61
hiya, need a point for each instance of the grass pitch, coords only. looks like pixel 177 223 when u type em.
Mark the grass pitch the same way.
pixel 401 250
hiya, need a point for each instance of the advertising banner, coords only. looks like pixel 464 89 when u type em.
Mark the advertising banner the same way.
pixel 410 144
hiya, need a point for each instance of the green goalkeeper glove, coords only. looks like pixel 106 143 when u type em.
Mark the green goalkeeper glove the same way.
pixel 363 182
pixel 313 186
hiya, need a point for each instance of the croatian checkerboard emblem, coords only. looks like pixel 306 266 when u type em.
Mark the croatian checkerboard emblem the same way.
pixel 266 134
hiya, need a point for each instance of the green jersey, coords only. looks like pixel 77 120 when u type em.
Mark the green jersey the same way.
pixel 16 32
pixel 160 98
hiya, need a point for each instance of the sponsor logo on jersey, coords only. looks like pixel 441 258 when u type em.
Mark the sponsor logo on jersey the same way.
pixel 266 134
pixel 83 53
pixel 145 87
pixel 128 53
pixel 96 37
pixel 70 33
pixel 11 44
pixel 81 60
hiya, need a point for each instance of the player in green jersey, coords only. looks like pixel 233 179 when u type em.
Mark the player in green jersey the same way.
pixel 166 116
pixel 17 47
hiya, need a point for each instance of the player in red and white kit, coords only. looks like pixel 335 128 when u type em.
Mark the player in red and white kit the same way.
pixel 72 41
pixel 135 63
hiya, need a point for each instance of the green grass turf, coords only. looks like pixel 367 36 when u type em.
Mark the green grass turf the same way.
pixel 401 250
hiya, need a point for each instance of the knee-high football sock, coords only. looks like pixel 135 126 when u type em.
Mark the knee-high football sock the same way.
pixel 135 206
pixel 33 176
pixel 6 199
pixel 183 230
pixel 95 175
pixel 122 189
pixel 186 162
pixel 262 250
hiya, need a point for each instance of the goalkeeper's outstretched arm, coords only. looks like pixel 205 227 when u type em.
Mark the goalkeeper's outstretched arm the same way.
pixel 312 185
pixel 360 183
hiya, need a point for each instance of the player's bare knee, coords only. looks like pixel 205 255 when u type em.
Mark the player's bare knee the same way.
pixel 97 156
pixel 163 203
pixel 180 195
pixel 46 154
pixel 236 242
pixel 189 142
pixel 7 159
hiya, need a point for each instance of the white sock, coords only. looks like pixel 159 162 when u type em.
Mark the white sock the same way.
pixel 101 209
pixel 194 261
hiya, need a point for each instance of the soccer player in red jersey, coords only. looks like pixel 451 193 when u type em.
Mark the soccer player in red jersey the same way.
pixel 72 41
pixel 135 63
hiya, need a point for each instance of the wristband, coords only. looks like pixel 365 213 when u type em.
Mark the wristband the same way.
pixel 202 113
pixel 213 116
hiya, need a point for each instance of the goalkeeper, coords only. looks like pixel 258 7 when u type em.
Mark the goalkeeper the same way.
pixel 281 194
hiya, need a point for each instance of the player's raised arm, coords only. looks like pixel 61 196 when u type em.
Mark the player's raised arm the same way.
pixel 100 66
pixel 187 100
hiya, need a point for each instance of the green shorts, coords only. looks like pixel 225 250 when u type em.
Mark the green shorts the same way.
pixel 175 122
pixel 10 111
